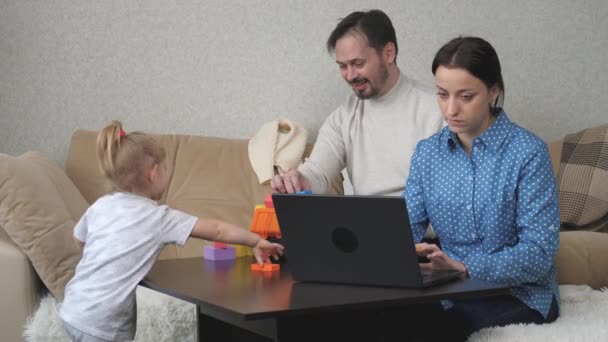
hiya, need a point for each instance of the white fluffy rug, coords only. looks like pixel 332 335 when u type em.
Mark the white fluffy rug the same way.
pixel 159 318
pixel 584 317
pixel 163 318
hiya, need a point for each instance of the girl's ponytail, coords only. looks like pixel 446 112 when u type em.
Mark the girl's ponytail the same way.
pixel 108 145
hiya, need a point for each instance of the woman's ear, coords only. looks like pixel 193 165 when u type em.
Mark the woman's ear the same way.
pixel 494 94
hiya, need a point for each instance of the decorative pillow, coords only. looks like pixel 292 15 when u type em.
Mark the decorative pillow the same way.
pixel 583 180
pixel 39 207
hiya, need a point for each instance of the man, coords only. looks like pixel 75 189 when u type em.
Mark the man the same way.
pixel 374 133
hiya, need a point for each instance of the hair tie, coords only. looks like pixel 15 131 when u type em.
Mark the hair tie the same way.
pixel 122 133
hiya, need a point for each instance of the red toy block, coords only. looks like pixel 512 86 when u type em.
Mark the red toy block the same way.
pixel 268 201
pixel 220 245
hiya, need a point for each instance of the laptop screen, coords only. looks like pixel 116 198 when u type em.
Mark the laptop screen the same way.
pixel 363 240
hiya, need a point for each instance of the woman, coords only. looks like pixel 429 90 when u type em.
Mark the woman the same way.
pixel 486 185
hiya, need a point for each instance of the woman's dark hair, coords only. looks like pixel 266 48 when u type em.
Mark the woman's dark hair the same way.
pixel 375 25
pixel 479 58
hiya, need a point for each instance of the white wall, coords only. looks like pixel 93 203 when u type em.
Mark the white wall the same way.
pixel 223 68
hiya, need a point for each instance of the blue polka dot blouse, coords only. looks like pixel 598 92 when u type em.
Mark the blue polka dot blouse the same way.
pixel 495 210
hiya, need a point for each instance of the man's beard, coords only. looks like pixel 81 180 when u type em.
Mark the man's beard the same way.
pixel 373 90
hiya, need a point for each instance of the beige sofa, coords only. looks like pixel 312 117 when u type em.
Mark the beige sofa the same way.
pixel 210 177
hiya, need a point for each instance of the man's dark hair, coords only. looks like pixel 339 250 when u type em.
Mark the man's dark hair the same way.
pixel 375 25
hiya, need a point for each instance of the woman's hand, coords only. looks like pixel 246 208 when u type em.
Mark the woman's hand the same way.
pixel 438 260
pixel 264 249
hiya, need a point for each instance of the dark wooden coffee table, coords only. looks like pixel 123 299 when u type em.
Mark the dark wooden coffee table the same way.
pixel 234 303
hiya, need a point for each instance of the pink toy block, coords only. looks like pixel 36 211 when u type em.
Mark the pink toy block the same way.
pixel 268 201
pixel 220 245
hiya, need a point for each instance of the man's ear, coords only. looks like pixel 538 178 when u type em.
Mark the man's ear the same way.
pixel 389 52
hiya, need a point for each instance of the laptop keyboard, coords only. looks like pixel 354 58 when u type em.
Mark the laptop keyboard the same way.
pixel 426 276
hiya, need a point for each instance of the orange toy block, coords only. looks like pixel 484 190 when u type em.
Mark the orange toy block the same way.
pixel 265 223
pixel 265 267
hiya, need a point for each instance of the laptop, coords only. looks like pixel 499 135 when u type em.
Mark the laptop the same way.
pixel 359 240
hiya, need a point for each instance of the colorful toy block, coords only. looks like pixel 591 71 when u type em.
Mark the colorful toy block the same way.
pixel 220 266
pixel 265 267
pixel 268 201
pixel 265 224
pixel 219 251
pixel 264 221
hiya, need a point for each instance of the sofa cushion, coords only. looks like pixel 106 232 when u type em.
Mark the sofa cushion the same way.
pixel 213 178
pixel 4 236
pixel 582 259
pixel 39 207
pixel 583 180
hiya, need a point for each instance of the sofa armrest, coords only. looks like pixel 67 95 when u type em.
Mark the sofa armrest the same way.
pixel 19 293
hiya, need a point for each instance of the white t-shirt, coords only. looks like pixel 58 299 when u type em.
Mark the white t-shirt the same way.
pixel 374 139
pixel 123 235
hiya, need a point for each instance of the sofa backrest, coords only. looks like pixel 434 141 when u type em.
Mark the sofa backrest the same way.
pixel 555 151
pixel 210 177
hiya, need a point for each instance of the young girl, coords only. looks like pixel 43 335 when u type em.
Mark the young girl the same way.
pixel 123 232
pixel 486 185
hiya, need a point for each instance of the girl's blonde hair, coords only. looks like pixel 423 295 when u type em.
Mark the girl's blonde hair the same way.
pixel 123 157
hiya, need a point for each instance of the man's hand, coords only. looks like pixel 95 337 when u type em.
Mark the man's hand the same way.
pixel 438 259
pixel 292 181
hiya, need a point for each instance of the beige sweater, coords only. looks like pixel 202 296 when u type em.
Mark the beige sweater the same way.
pixel 374 139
